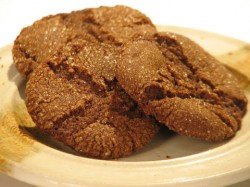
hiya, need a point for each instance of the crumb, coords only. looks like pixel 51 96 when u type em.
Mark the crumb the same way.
pixel 230 53
pixel 168 157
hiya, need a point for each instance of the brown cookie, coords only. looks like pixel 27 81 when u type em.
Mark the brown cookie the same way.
pixel 117 24
pixel 113 25
pixel 39 41
pixel 182 86
pixel 75 98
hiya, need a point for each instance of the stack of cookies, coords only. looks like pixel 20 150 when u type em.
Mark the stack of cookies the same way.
pixel 103 81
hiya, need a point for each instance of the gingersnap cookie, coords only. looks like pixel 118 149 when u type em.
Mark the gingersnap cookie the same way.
pixel 182 86
pixel 75 98
pixel 40 40
pixel 114 25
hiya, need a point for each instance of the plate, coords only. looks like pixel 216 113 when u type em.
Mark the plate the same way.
pixel 168 160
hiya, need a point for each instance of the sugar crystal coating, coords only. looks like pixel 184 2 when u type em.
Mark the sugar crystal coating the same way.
pixel 114 25
pixel 182 86
pixel 75 98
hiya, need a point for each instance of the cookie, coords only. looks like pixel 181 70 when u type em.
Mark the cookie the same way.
pixel 114 25
pixel 174 80
pixel 75 98
pixel 39 41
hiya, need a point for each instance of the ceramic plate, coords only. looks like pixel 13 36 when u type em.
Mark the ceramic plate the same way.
pixel 168 160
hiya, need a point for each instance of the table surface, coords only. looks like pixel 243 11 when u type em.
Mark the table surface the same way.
pixel 226 17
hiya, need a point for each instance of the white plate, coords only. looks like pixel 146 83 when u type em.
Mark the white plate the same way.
pixel 168 160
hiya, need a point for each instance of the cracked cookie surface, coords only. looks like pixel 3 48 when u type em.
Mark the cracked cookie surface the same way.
pixel 114 25
pixel 182 86
pixel 75 98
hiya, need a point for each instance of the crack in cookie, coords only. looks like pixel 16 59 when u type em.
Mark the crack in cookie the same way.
pixel 81 110
pixel 182 86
